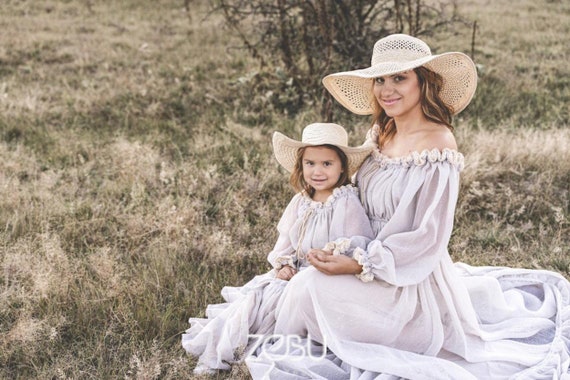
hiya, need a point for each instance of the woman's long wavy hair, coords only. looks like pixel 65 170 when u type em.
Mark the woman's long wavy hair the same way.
pixel 433 107
pixel 299 183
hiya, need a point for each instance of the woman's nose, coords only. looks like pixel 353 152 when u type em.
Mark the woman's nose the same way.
pixel 387 88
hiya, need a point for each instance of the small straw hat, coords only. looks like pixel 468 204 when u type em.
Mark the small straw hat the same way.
pixel 397 53
pixel 316 134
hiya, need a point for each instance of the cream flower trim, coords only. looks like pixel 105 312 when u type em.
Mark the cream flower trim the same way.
pixel 337 247
pixel 421 158
pixel 337 193
pixel 416 158
pixel 361 256
pixel 281 261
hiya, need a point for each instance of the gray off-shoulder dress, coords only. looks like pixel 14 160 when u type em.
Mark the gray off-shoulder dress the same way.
pixel 413 313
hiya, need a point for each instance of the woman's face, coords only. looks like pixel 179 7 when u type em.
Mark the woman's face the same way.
pixel 322 168
pixel 398 94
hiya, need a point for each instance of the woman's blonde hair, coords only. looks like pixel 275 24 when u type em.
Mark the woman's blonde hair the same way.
pixel 298 182
pixel 433 107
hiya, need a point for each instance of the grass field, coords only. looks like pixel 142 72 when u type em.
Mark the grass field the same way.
pixel 137 179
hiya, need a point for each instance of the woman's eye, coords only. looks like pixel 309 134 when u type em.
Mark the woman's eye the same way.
pixel 379 80
pixel 399 78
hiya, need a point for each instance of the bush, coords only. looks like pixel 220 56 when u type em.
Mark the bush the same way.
pixel 304 40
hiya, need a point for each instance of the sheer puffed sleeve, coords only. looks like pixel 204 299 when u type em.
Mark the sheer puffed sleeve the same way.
pixel 414 239
pixel 283 251
pixel 350 226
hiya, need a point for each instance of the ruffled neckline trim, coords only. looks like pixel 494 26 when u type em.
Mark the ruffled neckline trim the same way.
pixel 421 158
pixel 417 158
pixel 339 192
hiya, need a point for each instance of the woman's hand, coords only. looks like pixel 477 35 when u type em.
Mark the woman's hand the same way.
pixel 285 273
pixel 328 264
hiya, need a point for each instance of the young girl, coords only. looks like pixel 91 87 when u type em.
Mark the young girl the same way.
pixel 323 213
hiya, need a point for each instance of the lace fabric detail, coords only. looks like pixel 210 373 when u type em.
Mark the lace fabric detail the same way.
pixel 415 158
pixel 361 256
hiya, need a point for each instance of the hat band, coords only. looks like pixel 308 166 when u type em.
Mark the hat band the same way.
pixel 328 141
pixel 398 56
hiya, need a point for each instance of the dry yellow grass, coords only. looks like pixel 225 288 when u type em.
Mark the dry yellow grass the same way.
pixel 134 185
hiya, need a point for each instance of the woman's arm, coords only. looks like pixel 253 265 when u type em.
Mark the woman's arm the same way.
pixel 414 240
pixel 412 243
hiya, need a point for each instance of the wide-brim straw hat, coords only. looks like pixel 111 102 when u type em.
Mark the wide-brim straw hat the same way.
pixel 397 53
pixel 316 134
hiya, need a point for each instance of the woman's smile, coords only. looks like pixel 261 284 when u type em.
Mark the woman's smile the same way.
pixel 389 102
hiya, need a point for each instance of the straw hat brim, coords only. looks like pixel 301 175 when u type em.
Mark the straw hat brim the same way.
pixel 286 148
pixel 353 89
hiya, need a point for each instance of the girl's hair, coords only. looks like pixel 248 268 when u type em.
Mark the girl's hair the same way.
pixel 433 107
pixel 297 180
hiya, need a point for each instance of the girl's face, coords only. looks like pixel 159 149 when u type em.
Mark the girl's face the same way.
pixel 322 168
pixel 398 94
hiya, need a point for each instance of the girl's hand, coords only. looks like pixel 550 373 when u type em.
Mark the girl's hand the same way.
pixel 285 273
pixel 326 263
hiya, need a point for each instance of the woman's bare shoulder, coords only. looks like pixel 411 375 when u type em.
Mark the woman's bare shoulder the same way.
pixel 437 138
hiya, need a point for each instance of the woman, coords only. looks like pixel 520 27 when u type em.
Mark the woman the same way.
pixel 401 308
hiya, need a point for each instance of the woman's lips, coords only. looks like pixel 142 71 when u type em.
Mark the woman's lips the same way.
pixel 389 102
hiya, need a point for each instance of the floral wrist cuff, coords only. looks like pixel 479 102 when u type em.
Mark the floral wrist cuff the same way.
pixel 337 247
pixel 361 256
pixel 282 261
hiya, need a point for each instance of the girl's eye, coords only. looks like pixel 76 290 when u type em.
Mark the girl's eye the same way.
pixel 399 78
pixel 379 80
pixel 328 163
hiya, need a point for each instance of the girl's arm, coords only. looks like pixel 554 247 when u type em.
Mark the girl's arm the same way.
pixel 349 227
pixel 283 251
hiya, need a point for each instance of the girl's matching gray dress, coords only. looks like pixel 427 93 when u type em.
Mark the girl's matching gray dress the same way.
pixel 339 224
